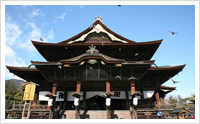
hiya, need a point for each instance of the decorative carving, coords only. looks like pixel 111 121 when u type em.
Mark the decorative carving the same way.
pixel 92 50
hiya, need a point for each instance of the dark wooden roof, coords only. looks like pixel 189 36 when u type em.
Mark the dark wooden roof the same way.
pixel 94 55
pixel 108 42
pixel 31 75
pixel 159 76
pixel 148 83
pixel 128 51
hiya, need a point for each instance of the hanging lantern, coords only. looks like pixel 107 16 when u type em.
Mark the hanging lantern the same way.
pixel 76 101
pixel 50 102
pixel 135 101
pixel 108 101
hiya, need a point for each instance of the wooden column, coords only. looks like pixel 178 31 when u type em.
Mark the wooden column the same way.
pixel 132 92
pixel 65 100
pixel 78 90
pixel 132 86
pixel 108 107
pixel 127 100
pixel 163 101
pixel 141 90
pixel 84 100
pixel 35 98
pixel 54 87
pixel 78 87
pixel 157 99
pixel 107 86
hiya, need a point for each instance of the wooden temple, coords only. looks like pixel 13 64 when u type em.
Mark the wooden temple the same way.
pixel 97 65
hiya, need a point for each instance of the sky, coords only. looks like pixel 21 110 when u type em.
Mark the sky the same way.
pixel 140 23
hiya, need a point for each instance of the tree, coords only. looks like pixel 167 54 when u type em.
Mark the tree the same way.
pixel 172 100
pixel 19 96
pixel 191 99
pixel 13 94
pixel 10 91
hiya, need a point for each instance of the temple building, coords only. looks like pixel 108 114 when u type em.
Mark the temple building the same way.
pixel 100 70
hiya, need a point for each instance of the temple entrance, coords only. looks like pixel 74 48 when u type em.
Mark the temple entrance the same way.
pixel 118 104
pixel 96 103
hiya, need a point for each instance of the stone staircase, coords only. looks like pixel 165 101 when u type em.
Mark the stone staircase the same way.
pixel 99 114
pixel 120 114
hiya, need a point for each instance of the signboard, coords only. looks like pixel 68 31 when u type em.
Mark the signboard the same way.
pixel 29 92
pixel 60 95
pixel 159 113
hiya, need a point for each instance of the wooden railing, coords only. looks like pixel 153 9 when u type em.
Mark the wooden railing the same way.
pixel 21 106
pixel 168 106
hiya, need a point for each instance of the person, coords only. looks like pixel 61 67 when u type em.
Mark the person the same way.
pixel 192 117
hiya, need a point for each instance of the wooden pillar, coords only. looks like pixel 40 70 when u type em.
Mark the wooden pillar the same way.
pixel 35 98
pixel 157 99
pixel 183 117
pixel 108 107
pixel 141 90
pixel 78 90
pixel 65 100
pixel 134 113
pixel 78 87
pixel 127 100
pixel 84 100
pixel 54 87
pixel 163 99
pixel 132 86
pixel 107 86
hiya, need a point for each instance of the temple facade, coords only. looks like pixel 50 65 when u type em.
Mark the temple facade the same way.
pixel 99 70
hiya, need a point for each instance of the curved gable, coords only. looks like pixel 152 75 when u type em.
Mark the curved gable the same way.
pixel 97 27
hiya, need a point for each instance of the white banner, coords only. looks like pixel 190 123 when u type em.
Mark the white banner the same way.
pixel 42 97
pixel 89 94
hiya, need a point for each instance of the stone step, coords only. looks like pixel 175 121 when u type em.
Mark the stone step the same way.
pixel 99 114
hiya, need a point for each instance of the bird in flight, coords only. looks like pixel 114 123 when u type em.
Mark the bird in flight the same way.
pixel 41 39
pixel 173 32
pixel 174 81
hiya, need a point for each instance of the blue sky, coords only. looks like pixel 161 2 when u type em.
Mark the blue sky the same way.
pixel 140 23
